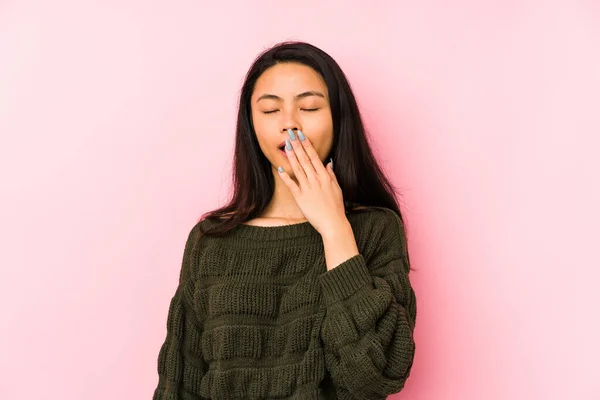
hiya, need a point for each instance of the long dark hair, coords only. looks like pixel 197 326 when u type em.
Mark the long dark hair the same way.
pixel 362 181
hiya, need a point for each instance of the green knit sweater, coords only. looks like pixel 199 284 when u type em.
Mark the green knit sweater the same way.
pixel 256 315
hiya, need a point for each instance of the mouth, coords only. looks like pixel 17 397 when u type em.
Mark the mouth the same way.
pixel 282 148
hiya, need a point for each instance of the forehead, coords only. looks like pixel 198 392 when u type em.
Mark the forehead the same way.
pixel 289 79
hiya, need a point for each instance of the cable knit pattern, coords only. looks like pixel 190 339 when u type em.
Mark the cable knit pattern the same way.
pixel 256 315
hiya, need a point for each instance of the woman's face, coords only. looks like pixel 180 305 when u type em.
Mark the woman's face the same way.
pixel 291 95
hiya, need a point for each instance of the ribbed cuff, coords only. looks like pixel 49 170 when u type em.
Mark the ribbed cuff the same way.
pixel 344 280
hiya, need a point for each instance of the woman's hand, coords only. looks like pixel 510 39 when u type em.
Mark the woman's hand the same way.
pixel 317 193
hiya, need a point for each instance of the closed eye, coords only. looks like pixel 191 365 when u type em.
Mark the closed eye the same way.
pixel 303 109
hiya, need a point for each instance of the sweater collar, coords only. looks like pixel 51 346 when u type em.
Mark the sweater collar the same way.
pixel 275 232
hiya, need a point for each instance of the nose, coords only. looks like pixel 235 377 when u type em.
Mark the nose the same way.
pixel 289 121
pixel 285 130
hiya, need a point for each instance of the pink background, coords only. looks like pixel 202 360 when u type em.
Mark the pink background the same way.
pixel 117 122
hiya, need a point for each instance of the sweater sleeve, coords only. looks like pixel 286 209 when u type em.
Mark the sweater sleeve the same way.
pixel 180 363
pixel 367 330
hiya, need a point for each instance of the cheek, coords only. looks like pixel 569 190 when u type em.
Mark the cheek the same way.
pixel 320 132
pixel 261 128
pixel 320 123
pixel 264 129
pixel 263 124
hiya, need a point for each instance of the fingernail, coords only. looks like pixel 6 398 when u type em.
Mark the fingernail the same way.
pixel 331 159
pixel 288 145
pixel 280 169
pixel 301 135
pixel 291 134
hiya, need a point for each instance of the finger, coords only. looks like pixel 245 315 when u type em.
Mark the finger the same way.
pixel 303 160
pixel 329 170
pixel 312 155
pixel 288 181
pixel 295 164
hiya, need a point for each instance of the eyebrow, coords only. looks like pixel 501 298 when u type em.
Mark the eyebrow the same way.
pixel 298 96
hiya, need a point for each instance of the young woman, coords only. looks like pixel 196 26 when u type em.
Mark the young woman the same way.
pixel 299 287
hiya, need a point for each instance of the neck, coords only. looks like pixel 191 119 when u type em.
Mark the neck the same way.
pixel 282 204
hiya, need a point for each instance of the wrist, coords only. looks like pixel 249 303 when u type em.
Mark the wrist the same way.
pixel 337 230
